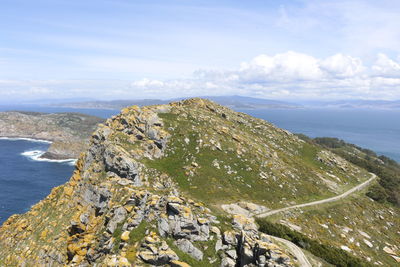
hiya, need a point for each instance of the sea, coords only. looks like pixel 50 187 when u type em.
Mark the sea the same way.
pixel 25 179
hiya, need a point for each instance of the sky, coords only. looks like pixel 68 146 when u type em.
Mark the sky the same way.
pixel 119 49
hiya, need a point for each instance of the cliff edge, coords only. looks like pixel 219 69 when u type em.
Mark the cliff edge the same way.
pixel 153 186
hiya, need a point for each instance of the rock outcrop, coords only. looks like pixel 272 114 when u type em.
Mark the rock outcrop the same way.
pixel 68 132
pixel 119 209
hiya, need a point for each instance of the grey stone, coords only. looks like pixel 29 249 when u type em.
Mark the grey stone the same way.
pixel 84 218
pixel 232 253
pixel 229 238
pixel 163 227
pixel 218 245
pixel 174 208
pixel 96 197
pixel 228 262
pixel 119 215
pixel 118 161
pixel 187 247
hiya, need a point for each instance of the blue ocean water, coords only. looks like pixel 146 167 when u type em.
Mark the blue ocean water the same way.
pixel 378 130
pixel 24 181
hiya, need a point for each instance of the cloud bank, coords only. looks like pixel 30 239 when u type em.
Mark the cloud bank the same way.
pixel 289 75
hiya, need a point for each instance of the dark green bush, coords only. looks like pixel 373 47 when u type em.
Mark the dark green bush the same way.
pixel 377 193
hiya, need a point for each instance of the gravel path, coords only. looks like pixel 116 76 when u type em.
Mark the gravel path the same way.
pixel 318 202
pixel 295 250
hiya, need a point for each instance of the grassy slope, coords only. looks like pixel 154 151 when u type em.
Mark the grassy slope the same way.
pixel 248 147
pixel 327 223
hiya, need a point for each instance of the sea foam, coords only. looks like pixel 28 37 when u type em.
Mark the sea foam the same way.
pixel 25 139
pixel 36 156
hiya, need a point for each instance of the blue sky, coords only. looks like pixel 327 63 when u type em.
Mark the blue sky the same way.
pixel 134 49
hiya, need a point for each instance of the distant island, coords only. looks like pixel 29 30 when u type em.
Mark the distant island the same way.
pixel 67 132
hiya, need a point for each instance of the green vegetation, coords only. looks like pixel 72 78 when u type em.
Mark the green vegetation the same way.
pixel 377 193
pixel 329 253
pixel 117 235
pixel 135 236
pixel 221 159
pixel 387 169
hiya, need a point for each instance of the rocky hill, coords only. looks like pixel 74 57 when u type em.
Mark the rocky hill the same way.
pixel 180 184
pixel 68 132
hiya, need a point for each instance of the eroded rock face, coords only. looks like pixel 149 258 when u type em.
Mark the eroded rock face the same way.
pixel 119 162
pixel 117 211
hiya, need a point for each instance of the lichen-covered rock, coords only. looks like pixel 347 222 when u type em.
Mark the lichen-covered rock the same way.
pixel 187 247
pixel 120 208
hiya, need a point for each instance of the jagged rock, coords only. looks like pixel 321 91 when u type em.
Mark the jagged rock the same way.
pixel 119 215
pixel 84 218
pixel 97 198
pixel 163 226
pixel 241 222
pixel 118 161
pixel 215 230
pixel 117 261
pixel 155 251
pixel 218 245
pixel 115 187
pixel 187 247
pixel 231 253
pixel 149 257
pixel 228 262
pixel 229 238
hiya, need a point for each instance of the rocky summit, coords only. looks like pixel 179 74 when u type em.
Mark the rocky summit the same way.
pixel 176 185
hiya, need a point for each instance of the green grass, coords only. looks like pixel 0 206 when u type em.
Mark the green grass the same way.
pixel 327 252
pixel 212 185
pixel 135 236
pixel 357 212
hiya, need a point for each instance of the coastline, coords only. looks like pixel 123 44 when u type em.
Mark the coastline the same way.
pixel 30 139
pixel 36 155
pixel 43 155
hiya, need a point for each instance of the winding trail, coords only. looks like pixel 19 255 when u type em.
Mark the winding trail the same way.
pixel 318 202
pixel 294 249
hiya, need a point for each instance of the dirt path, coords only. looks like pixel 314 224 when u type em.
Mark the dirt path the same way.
pixel 318 202
pixel 295 250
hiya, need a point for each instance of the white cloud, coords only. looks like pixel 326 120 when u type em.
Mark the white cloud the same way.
pixel 290 75
pixel 342 66
pixel 385 66
pixel 282 67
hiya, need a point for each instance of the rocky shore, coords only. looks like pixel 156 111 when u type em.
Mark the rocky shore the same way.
pixel 68 132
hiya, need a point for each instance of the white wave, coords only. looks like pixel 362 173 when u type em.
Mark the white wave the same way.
pixel 36 156
pixel 25 139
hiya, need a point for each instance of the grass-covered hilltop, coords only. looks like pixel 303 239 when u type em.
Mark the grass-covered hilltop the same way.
pixel 68 132
pixel 193 183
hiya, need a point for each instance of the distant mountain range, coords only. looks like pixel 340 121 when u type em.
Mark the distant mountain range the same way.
pixel 354 103
pixel 234 102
